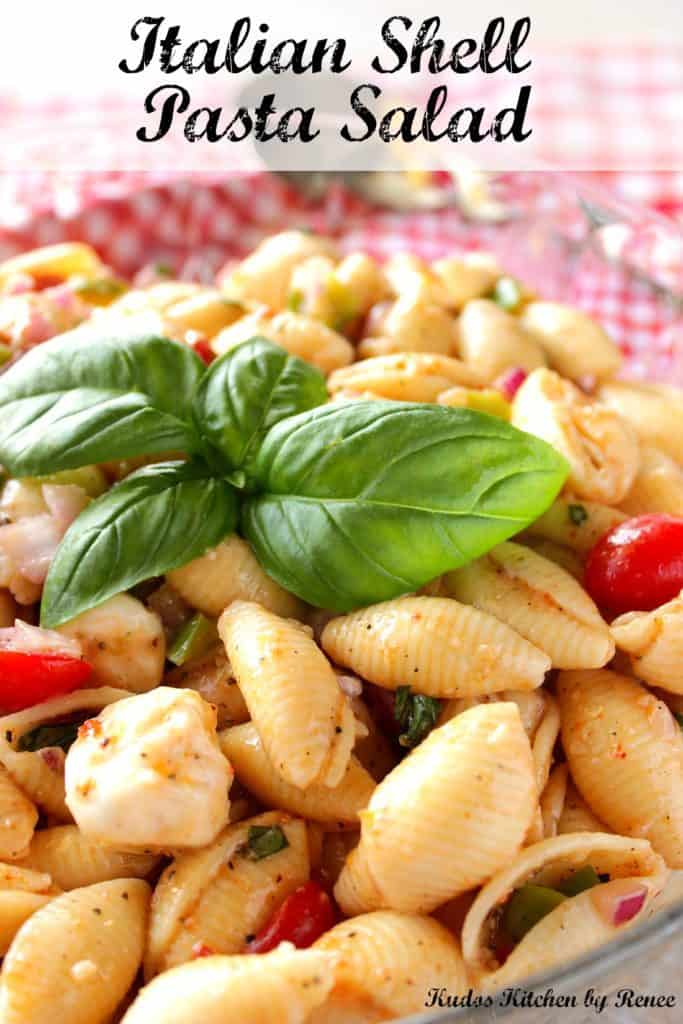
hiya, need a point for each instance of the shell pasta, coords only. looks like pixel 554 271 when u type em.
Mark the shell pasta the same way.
pixel 341 608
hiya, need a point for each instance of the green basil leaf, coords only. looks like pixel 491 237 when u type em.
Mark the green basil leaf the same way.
pixel 87 397
pixel 416 714
pixel 264 841
pixel 155 520
pixel 58 735
pixel 250 389
pixel 368 500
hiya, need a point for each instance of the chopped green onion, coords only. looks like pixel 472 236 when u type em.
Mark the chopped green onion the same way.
pixel 577 514
pixel 162 268
pixel 197 636
pixel 527 906
pixel 62 735
pixel 101 287
pixel 264 841
pixel 507 293
pixel 90 478
pixel 5 353
pixel 579 881
pixel 416 714
pixel 295 300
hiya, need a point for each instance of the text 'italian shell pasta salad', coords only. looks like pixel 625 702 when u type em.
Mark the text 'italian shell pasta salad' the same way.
pixel 341 638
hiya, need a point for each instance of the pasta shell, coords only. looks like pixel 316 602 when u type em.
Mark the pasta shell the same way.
pixel 435 645
pixel 38 774
pixel 446 818
pixel 530 704
pixel 285 985
pixel 574 926
pixel 625 750
pixel 16 906
pixel 230 572
pixel 413 324
pixel 207 312
pixel 654 643
pixel 99 934
pixel 576 815
pixel 492 340
pixel 407 377
pixel 73 860
pixel 61 260
pixel 265 273
pixel 386 964
pixel 363 279
pixel 658 487
pixel 578 525
pixel 217 897
pixel 336 807
pixel 601 449
pixel 18 817
pixel 468 277
pixel 576 345
pixel 653 410
pixel 540 601
pixel 552 800
pixel 302 715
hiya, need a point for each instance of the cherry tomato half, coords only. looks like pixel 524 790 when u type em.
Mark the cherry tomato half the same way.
pixel 28 678
pixel 638 565
pixel 302 918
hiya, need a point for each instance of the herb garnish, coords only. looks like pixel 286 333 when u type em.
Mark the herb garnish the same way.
pixel 416 714
pixel 264 841
pixel 344 504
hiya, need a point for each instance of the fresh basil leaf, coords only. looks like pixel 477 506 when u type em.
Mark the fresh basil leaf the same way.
pixel 250 389
pixel 155 520
pixel 416 714
pixel 264 841
pixel 577 514
pixel 88 396
pixel 58 735
pixel 368 500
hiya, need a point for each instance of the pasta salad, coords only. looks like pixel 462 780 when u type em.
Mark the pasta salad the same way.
pixel 340 637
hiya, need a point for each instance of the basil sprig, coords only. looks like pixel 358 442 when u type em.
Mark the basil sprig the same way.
pixel 344 504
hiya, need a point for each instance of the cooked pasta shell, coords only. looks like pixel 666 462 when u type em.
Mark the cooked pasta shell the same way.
pixel 625 751
pixel 601 448
pixel 285 985
pixel 40 774
pixel 73 860
pixel 576 345
pixel 16 906
pixel 123 641
pixel 387 962
pixel 361 276
pixel 658 486
pixel 339 807
pixel 563 556
pixel 576 815
pixel 530 704
pixel 73 960
pixel 18 817
pixel 216 897
pixel 654 643
pixel 374 751
pixel 413 323
pixel 206 312
pixel 265 273
pixel 435 645
pixel 61 260
pixel 540 601
pixel 407 377
pixel 446 818
pixel 407 273
pixel 578 525
pixel 154 298
pixel 471 276
pixel 552 800
pixel 493 341
pixel 653 410
pixel 230 572
pixel 212 677
pixel 302 715
pixel 576 925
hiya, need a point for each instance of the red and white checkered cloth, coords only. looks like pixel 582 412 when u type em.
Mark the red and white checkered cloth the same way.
pixel 197 222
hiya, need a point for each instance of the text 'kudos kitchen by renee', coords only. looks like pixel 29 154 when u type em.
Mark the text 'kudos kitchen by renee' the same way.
pixel 403 48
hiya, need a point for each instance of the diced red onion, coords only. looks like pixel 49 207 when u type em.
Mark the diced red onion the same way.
pixel 510 382
pixel 30 544
pixel 350 685
pixel 626 907
pixel 34 640
pixel 19 284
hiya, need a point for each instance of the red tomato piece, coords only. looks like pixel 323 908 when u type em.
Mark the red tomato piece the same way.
pixel 28 678
pixel 204 351
pixel 638 565
pixel 303 917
